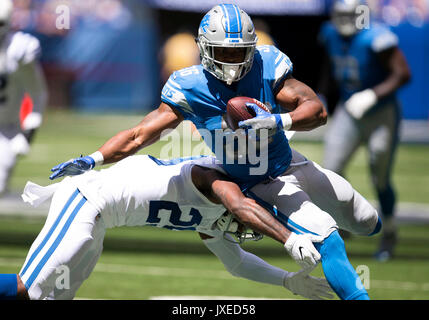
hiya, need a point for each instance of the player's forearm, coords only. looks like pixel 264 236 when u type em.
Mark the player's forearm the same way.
pixel 308 115
pixel 255 217
pixel 147 132
pixel 392 83
pixel 246 210
pixel 396 65
pixel 306 110
pixel 122 145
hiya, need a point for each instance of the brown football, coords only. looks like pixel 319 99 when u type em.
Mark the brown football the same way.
pixel 236 111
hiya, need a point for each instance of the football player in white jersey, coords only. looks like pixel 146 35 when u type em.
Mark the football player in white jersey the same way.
pixel 145 191
pixel 20 74
pixel 304 197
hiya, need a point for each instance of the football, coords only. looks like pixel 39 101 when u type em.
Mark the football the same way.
pixel 236 110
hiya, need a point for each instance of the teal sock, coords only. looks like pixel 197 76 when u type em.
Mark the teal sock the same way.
pixel 8 286
pixel 339 273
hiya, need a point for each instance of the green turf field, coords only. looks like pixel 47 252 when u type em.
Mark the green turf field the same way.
pixel 139 263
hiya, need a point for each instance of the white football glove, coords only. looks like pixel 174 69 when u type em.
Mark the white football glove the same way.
pixel 302 250
pixel 360 102
pixel 301 283
pixel 19 144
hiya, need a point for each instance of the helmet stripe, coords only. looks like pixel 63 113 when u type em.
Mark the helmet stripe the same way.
pixel 240 28
pixel 226 20
pixel 233 19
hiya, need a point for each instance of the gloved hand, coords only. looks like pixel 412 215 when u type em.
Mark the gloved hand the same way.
pixel 19 144
pixel 308 286
pixel 266 120
pixel 73 167
pixel 360 102
pixel 302 250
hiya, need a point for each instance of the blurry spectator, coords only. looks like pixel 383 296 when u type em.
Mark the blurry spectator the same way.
pixel 22 93
pixel 263 33
pixel 179 51
pixel 101 58
pixel 369 68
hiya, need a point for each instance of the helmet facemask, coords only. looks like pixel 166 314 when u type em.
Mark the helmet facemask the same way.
pixel 223 69
pixel 344 15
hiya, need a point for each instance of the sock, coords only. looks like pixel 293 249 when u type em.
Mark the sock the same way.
pixel 387 200
pixel 338 271
pixel 8 286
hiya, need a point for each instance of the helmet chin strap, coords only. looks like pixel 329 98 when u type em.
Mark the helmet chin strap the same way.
pixel 231 73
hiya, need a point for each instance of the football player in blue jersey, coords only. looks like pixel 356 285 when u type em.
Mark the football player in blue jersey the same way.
pixel 368 68
pixel 306 198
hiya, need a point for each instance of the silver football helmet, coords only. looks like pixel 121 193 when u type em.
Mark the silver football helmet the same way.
pixel 227 30
pixel 6 7
pixel 230 226
pixel 344 15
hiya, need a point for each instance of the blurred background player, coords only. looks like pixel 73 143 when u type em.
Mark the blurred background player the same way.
pixel 368 68
pixel 21 84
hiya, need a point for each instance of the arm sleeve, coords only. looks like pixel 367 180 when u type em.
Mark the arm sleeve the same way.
pixel 244 264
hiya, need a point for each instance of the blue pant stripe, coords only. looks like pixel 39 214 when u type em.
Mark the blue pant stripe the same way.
pixel 57 241
pixel 285 220
pixel 49 234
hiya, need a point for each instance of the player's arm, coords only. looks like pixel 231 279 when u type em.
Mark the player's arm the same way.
pixel 124 143
pixel 219 189
pixel 26 50
pixel 303 109
pixel 148 131
pixel 306 109
pixel 394 62
pixel 241 263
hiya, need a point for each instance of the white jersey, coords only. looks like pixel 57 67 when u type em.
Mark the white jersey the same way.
pixel 19 74
pixel 143 191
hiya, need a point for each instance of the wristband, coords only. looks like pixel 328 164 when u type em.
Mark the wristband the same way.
pixel 286 120
pixel 98 158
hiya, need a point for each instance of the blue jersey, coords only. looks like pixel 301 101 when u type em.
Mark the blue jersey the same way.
pixel 354 60
pixel 202 98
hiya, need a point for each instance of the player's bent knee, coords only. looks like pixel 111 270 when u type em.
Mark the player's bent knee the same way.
pixel 366 216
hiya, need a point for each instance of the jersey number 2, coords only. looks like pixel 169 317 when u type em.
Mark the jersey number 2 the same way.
pixel 175 214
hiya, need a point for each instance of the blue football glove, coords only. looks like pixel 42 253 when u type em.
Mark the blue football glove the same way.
pixel 263 119
pixel 72 167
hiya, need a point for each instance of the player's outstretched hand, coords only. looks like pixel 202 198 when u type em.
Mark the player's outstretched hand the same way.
pixel 302 250
pixel 308 286
pixel 72 167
